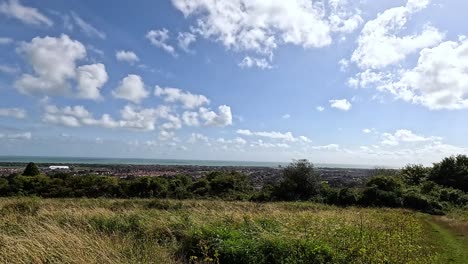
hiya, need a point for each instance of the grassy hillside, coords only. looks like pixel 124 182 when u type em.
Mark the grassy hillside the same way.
pixel 201 231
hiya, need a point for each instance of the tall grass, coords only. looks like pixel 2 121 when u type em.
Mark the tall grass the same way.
pixel 192 231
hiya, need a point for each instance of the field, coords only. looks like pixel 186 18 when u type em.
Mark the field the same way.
pixel 34 230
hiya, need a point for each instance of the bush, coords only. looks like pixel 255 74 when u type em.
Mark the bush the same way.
pixel 383 191
pixel 300 182
pixel 229 246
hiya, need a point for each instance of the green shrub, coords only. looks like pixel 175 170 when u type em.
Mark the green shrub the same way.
pixel 230 246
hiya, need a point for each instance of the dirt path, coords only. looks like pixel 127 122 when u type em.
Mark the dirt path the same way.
pixel 453 244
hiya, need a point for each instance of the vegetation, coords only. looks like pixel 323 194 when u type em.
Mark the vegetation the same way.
pixel 34 230
pixel 432 190
pixel 31 170
pixel 222 218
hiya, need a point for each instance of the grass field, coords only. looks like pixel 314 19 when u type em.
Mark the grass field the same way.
pixel 199 231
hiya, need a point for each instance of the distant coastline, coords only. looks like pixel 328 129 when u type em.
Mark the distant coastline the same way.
pixel 144 161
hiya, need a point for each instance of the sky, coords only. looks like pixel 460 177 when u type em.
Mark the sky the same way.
pixel 333 81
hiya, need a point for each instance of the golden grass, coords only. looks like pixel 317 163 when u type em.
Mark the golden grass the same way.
pixel 151 231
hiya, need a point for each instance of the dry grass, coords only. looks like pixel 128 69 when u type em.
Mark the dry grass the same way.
pixel 154 231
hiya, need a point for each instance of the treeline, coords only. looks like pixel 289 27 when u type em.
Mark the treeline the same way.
pixel 428 189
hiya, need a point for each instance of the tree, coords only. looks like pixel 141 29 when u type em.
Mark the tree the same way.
pixel 451 172
pixel 414 174
pixel 300 182
pixel 31 170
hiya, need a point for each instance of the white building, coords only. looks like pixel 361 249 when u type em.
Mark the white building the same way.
pixel 59 167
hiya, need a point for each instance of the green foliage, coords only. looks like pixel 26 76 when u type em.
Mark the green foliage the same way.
pixel 31 170
pixel 451 172
pixel 415 174
pixel 225 244
pixel 300 182
pixel 383 191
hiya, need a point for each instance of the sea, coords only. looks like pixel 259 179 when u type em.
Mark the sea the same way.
pixel 143 161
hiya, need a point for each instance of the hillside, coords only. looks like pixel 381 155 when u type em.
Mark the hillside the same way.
pixel 203 231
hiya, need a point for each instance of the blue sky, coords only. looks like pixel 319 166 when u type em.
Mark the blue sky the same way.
pixel 334 81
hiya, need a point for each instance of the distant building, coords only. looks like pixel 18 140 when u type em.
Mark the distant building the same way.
pixel 59 167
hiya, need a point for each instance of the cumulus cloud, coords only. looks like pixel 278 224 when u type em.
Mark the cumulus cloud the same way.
pixel 342 19
pixel 175 95
pixel 320 108
pixel 196 137
pixel 380 46
pixel 404 135
pixel 286 116
pixel 130 117
pixel 131 88
pixel 249 62
pixel 438 81
pixel 211 118
pixel 90 79
pixel 26 14
pixel 53 61
pixel 159 39
pixel 87 28
pixel 185 39
pixel 341 104
pixel 190 118
pixel 440 78
pixel 18 113
pixel 127 56
pixel 261 26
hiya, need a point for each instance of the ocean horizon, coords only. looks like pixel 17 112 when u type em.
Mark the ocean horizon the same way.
pixel 149 161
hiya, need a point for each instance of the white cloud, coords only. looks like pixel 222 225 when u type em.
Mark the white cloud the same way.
pixel 17 136
pixel 142 119
pixel 196 137
pixel 131 88
pixel 18 113
pixel 320 108
pixel 404 135
pixel 159 39
pixel 344 65
pixel 53 61
pixel 438 81
pixel 25 14
pixel 249 62
pixel 190 118
pixel 342 104
pixel 187 99
pixel 259 25
pixel 127 56
pixel 222 118
pixel 87 28
pixel 329 147
pixel 367 131
pixel 342 19
pixel 185 39
pixel 131 118
pixel 286 116
pixel 8 69
pixel 165 135
pixel 288 136
pixel 378 44
pixel 90 79
pixel 4 41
